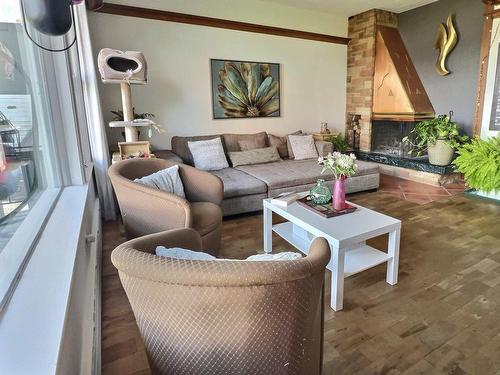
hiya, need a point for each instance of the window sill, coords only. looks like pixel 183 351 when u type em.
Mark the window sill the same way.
pixel 33 322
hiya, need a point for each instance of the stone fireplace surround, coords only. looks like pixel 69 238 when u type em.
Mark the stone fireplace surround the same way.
pixel 380 140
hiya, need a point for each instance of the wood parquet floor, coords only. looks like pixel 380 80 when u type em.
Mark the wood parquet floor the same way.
pixel 443 317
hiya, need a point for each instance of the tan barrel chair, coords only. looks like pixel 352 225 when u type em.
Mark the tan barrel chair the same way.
pixel 146 210
pixel 225 317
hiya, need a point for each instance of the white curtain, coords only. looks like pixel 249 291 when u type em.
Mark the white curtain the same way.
pixel 96 126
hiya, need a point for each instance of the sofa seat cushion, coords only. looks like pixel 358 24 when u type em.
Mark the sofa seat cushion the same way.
pixel 206 217
pixel 288 173
pixel 238 183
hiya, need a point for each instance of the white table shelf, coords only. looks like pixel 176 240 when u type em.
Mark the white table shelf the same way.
pixel 357 259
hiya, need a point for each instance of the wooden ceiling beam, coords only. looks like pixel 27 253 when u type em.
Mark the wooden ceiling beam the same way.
pixel 163 15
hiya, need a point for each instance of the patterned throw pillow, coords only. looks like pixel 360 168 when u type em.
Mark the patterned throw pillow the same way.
pixel 303 146
pixel 208 155
pixel 287 255
pixel 257 156
pixel 167 179
pixel 180 253
pixel 289 147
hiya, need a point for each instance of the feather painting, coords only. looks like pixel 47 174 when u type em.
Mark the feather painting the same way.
pixel 446 42
pixel 243 89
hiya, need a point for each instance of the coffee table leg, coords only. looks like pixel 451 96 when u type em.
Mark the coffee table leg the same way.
pixel 393 251
pixel 268 230
pixel 337 292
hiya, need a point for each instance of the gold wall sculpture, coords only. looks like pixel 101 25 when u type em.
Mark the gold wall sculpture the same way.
pixel 446 41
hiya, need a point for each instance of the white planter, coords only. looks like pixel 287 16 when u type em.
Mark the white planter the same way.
pixel 440 153
pixel 495 194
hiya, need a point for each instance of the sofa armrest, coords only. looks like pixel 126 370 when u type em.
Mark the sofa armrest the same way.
pixel 201 186
pixel 323 147
pixel 168 155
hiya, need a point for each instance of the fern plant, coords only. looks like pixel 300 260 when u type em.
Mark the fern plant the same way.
pixel 479 161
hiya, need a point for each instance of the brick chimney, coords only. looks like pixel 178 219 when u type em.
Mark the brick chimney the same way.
pixel 360 67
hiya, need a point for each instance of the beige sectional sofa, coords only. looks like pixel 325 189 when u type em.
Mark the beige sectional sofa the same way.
pixel 246 186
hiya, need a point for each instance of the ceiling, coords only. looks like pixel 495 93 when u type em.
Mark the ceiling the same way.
pixel 352 7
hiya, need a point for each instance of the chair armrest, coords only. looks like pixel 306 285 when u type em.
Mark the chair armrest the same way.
pixel 201 186
pixel 323 147
pixel 185 238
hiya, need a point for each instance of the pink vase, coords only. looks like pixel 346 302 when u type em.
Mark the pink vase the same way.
pixel 338 199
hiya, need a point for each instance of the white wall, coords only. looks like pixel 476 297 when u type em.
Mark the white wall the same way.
pixel 490 82
pixel 313 74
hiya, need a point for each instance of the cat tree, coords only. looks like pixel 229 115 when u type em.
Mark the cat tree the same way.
pixel 126 68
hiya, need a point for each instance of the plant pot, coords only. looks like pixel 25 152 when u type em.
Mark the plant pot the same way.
pixel 440 153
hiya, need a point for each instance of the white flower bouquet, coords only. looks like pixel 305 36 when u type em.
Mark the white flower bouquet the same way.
pixel 341 165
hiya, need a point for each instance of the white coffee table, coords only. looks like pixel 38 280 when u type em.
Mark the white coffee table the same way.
pixel 346 234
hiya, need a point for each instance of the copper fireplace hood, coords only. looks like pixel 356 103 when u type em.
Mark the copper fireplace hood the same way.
pixel 398 93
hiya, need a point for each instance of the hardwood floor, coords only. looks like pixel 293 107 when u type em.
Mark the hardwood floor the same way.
pixel 442 316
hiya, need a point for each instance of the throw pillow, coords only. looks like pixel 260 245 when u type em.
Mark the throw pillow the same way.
pixel 257 156
pixel 167 179
pixel 208 155
pixel 303 146
pixel 278 256
pixel 289 147
pixel 179 253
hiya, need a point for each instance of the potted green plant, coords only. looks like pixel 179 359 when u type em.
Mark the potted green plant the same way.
pixel 339 143
pixel 119 115
pixel 479 161
pixel 438 136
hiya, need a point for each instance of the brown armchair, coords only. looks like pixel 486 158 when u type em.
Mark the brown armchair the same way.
pixel 146 210
pixel 224 317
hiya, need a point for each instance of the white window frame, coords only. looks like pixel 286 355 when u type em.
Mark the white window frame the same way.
pixel 53 82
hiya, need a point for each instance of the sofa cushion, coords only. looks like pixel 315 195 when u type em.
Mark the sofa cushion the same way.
pixel 238 183
pixel 206 217
pixel 259 140
pixel 281 143
pixel 289 173
pixel 256 156
pixel 181 149
pixel 249 144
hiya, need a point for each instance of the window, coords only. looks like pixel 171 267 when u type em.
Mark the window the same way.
pixel 38 134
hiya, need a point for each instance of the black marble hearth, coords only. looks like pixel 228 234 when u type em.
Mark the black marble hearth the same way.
pixel 418 164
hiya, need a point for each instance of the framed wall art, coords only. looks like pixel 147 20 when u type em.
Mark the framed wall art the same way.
pixel 242 89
